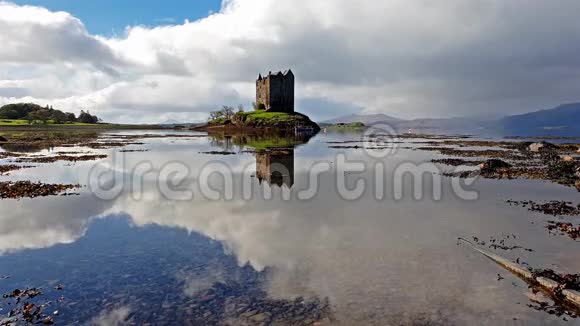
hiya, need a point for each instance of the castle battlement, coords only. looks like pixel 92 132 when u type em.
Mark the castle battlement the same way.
pixel 275 91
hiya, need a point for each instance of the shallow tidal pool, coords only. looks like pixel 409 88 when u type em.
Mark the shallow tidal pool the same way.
pixel 276 232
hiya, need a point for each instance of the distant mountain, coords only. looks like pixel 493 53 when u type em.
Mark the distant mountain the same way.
pixel 444 124
pixel 367 119
pixel 170 122
pixel 561 120
pixel 427 125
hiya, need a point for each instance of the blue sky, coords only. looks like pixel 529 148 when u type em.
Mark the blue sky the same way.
pixel 110 17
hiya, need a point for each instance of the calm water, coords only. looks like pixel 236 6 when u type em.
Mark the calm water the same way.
pixel 141 257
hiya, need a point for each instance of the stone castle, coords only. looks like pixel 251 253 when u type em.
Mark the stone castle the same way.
pixel 275 92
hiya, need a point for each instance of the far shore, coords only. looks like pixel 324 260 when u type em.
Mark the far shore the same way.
pixel 67 127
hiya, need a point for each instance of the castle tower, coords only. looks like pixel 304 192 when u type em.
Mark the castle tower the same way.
pixel 275 92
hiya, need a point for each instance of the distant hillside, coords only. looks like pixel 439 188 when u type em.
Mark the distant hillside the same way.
pixel 367 119
pixel 460 125
pixel 561 120
pixel 34 113
pixel 171 122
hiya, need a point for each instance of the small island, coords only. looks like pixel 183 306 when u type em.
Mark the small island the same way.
pixel 347 127
pixel 273 110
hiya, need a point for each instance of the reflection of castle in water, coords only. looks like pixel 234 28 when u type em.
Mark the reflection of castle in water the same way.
pixel 274 153
pixel 276 167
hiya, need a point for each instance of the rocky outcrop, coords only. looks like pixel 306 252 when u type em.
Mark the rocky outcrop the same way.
pixel 541 146
pixel 279 122
pixel 493 165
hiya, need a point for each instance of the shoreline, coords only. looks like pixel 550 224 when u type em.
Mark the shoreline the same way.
pixel 84 127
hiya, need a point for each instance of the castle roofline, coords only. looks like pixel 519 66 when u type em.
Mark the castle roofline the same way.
pixel 278 73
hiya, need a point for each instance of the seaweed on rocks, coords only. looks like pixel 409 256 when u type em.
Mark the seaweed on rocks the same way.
pixel 111 144
pixel 500 243
pixel 27 189
pixel 561 171
pixel 218 153
pixel 25 309
pixel 10 154
pixel 554 207
pixel 68 158
pixel 456 162
pixel 565 281
pixel 134 150
pixel 565 228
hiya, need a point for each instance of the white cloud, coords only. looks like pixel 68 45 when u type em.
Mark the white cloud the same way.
pixel 406 58
pixel 112 317
pixel 25 226
pixel 36 35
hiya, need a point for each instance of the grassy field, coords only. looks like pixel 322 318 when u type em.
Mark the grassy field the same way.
pixel 8 122
pixel 23 124
pixel 5 122
pixel 268 117
pixel 262 118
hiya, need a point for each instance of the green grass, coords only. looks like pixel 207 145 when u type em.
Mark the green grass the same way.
pixel 7 122
pixel 265 120
pixel 218 121
pixel 23 124
pixel 260 117
pixel 270 117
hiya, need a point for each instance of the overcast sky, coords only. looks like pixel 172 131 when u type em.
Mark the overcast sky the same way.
pixel 405 58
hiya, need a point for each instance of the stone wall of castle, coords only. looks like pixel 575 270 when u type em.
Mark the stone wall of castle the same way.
pixel 263 93
pixel 275 92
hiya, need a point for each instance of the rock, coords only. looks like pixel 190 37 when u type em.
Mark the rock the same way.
pixel 567 158
pixel 261 317
pixel 2 139
pixel 539 297
pixel 493 165
pixel 541 146
pixel 249 314
pixel 578 185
